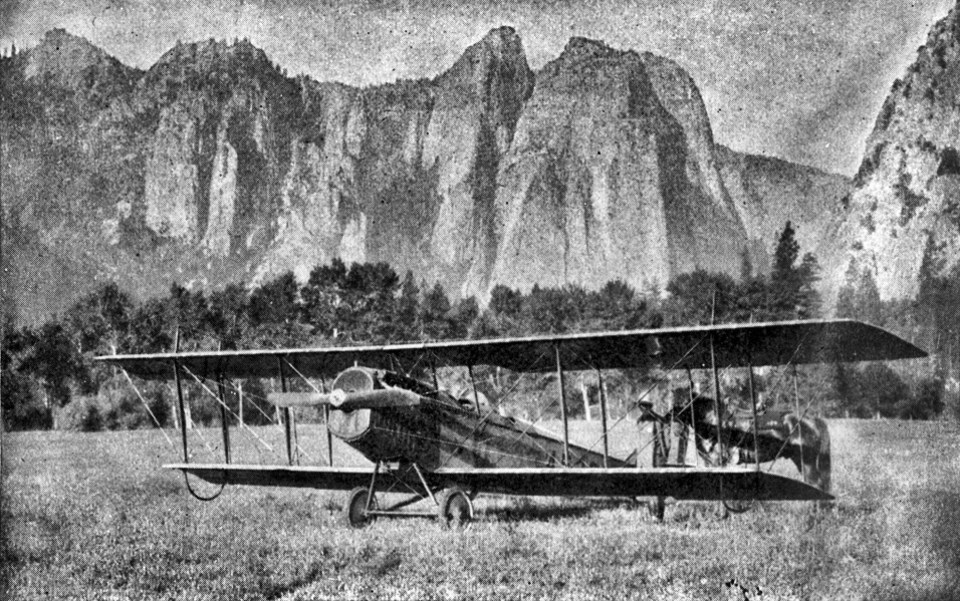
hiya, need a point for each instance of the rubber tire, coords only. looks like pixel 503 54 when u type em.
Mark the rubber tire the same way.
pixel 454 508
pixel 657 507
pixel 355 510
pixel 739 506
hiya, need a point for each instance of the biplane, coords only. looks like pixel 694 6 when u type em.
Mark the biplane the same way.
pixel 443 449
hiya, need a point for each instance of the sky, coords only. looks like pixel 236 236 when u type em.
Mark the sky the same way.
pixel 801 80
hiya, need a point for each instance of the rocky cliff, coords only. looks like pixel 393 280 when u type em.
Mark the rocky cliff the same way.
pixel 905 206
pixel 215 166
pixel 603 181
pixel 767 192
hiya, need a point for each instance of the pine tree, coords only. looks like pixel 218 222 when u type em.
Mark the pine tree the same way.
pixel 808 299
pixel 149 331
pixel 701 297
pixel 408 309
pixel 785 256
pixel 322 296
pixel 22 409
pixel 613 307
pixel 188 314
pixel 847 296
pixel 54 361
pixel 228 315
pixel 869 307
pixel 433 314
pixel 99 321
pixel 506 301
pixel 275 302
pixel 369 293
pixel 792 286
pixel 462 318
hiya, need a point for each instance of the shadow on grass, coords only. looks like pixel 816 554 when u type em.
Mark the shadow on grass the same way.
pixel 523 509
pixel 300 579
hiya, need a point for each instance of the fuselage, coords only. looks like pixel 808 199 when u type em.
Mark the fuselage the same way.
pixel 443 431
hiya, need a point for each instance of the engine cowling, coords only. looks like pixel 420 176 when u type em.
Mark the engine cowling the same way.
pixel 383 434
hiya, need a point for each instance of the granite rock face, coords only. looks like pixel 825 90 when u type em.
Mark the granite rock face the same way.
pixel 603 181
pixel 905 205
pixel 215 166
pixel 768 192
pixel 405 173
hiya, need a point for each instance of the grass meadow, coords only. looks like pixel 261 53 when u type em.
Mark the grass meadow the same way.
pixel 93 516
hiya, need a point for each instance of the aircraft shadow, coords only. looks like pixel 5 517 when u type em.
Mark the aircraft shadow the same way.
pixel 521 510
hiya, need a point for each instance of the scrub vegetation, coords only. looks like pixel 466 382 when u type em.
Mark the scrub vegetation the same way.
pixel 49 378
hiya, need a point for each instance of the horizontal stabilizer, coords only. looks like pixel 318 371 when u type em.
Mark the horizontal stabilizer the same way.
pixel 347 401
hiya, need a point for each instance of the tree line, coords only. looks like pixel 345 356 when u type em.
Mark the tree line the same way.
pixel 48 371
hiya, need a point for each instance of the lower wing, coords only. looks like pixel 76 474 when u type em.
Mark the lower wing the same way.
pixel 677 482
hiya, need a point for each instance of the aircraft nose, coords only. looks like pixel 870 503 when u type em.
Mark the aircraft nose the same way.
pixel 337 397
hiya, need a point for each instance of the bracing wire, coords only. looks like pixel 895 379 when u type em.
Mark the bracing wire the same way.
pixel 229 384
pixel 296 442
pixel 203 439
pixel 493 410
pixel 230 411
pixel 647 392
pixel 186 477
pixel 147 407
pixel 234 388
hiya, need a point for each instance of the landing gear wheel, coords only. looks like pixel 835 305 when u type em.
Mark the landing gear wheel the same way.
pixel 454 508
pixel 356 509
pixel 739 505
pixel 656 507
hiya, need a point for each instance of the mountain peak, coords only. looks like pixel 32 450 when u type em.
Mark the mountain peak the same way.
pixel 501 41
pixel 904 196
pixel 500 34
pixel 195 63
pixel 501 46
pixel 578 48
pixel 63 56
pixel 214 53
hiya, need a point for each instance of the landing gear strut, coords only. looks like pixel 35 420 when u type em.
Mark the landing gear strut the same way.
pixel 454 507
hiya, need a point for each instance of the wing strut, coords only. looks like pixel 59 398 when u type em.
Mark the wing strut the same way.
pixel 603 418
pixel 753 406
pixel 326 424
pixel 224 420
pixel 473 384
pixel 796 403
pixel 286 414
pixel 326 413
pixel 716 397
pixel 181 413
pixel 563 409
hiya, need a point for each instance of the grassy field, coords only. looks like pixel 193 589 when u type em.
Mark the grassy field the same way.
pixel 94 516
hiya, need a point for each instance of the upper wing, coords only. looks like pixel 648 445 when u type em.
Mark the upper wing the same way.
pixel 775 343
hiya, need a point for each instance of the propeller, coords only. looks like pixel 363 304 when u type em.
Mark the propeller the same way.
pixel 348 401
